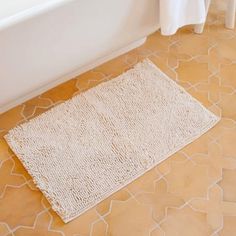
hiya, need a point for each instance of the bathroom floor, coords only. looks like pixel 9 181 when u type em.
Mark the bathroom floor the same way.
pixel 191 193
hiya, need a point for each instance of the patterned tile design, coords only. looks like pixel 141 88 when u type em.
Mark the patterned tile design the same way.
pixel 191 193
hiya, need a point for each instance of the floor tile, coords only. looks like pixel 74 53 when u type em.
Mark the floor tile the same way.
pixel 188 180
pixel 185 222
pixel 159 200
pixel 129 218
pixel 229 226
pixel 228 185
pixel 20 206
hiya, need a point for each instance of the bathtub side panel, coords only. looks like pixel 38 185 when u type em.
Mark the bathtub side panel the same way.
pixel 50 45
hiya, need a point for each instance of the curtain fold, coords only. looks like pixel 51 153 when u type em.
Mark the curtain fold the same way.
pixel 177 13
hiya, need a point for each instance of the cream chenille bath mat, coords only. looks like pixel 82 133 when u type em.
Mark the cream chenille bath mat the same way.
pixel 85 149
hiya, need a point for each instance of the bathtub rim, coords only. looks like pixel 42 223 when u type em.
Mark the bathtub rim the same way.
pixel 31 12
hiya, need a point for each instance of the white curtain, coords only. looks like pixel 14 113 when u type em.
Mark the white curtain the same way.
pixel 177 13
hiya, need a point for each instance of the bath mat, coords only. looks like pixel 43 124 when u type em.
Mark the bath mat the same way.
pixel 92 145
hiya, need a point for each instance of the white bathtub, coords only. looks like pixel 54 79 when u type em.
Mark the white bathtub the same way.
pixel 44 43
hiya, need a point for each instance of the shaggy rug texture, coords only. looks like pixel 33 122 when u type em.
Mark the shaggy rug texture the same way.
pixel 92 145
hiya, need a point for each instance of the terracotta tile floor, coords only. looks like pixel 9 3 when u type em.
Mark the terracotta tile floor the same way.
pixel 190 194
